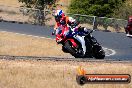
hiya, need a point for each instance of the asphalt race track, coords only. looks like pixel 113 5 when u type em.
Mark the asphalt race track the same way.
pixel 117 44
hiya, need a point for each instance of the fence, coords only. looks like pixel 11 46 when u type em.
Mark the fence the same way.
pixel 35 16
pixel 101 23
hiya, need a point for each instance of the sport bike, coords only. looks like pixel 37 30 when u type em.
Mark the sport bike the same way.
pixel 80 44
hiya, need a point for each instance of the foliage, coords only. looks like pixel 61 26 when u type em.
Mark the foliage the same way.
pixel 124 12
pixel 99 8
pixel 39 4
pixel 39 16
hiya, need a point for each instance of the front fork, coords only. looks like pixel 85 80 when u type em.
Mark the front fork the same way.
pixel 82 41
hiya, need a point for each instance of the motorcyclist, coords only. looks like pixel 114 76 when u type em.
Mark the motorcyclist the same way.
pixel 61 20
pixel 128 28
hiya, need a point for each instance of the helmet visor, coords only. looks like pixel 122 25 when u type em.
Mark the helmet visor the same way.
pixel 57 19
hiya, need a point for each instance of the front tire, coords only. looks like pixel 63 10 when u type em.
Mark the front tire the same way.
pixel 72 51
pixel 64 49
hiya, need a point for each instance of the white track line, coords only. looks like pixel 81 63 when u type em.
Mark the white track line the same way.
pixel 113 51
pixel 26 35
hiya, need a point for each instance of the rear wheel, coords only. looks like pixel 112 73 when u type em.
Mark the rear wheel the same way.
pixel 98 52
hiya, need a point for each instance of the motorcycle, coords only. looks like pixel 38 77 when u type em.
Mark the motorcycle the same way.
pixel 81 45
pixel 128 27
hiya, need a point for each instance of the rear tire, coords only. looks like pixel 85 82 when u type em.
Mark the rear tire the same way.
pixel 98 52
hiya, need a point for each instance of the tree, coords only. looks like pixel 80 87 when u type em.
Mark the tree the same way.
pixel 124 12
pixel 38 4
pixel 99 8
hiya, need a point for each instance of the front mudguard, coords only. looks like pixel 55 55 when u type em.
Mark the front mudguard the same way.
pixel 73 49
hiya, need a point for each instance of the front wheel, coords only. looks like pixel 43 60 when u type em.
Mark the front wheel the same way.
pixel 73 51
pixel 64 49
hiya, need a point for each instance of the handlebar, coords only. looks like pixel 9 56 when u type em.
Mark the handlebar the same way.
pixel 90 32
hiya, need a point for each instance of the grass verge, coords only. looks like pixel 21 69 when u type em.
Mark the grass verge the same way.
pixel 13 3
pixel 20 45
pixel 56 74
